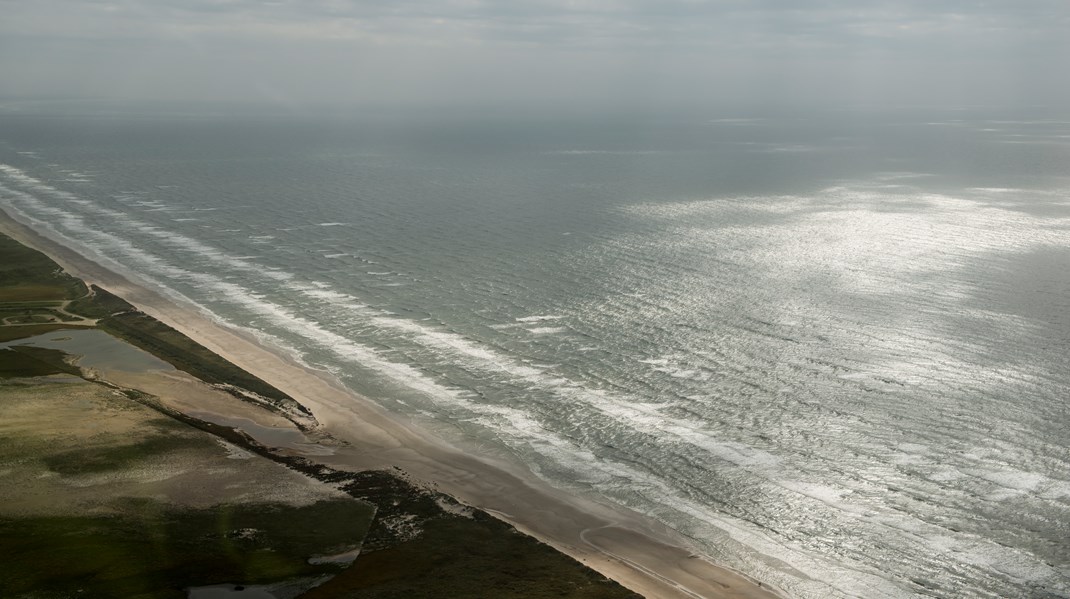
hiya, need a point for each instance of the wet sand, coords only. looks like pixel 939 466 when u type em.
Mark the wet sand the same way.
pixel 636 551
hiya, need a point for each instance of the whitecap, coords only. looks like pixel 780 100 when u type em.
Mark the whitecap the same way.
pixel 547 330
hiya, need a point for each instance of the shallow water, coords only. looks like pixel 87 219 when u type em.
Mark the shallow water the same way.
pixel 831 348
pixel 268 436
pixel 96 349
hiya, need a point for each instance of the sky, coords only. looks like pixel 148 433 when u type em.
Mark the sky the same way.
pixel 595 53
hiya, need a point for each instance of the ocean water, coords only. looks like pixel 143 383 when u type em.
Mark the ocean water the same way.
pixel 833 348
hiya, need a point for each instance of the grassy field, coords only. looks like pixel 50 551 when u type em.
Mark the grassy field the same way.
pixel 29 275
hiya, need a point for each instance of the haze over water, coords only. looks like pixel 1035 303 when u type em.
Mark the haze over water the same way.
pixel 831 347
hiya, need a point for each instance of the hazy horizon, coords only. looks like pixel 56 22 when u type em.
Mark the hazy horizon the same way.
pixel 613 55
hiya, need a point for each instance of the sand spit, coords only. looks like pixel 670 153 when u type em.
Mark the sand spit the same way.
pixel 641 554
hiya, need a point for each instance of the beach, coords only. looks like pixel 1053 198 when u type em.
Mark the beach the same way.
pixel 642 555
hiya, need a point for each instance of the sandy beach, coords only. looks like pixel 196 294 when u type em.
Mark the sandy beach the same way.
pixel 641 554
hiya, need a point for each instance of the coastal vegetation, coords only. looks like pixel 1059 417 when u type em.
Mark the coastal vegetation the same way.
pixel 110 493
pixel 27 275
pixel 36 296
pixel 155 337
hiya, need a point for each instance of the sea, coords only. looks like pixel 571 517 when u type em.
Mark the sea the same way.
pixel 829 346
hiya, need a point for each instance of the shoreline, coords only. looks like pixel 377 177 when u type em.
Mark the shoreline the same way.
pixel 638 552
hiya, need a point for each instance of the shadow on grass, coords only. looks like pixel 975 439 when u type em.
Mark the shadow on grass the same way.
pixel 146 548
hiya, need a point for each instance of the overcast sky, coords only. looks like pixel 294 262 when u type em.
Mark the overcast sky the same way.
pixel 570 52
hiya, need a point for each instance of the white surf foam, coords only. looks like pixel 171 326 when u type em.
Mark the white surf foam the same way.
pixel 539 318
pixel 547 330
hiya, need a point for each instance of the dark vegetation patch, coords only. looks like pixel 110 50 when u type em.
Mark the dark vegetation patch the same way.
pixel 100 303
pixel 32 287
pixel 27 275
pixel 22 332
pixel 451 555
pixel 28 361
pixel 153 549
pixel 460 558
pixel 88 460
